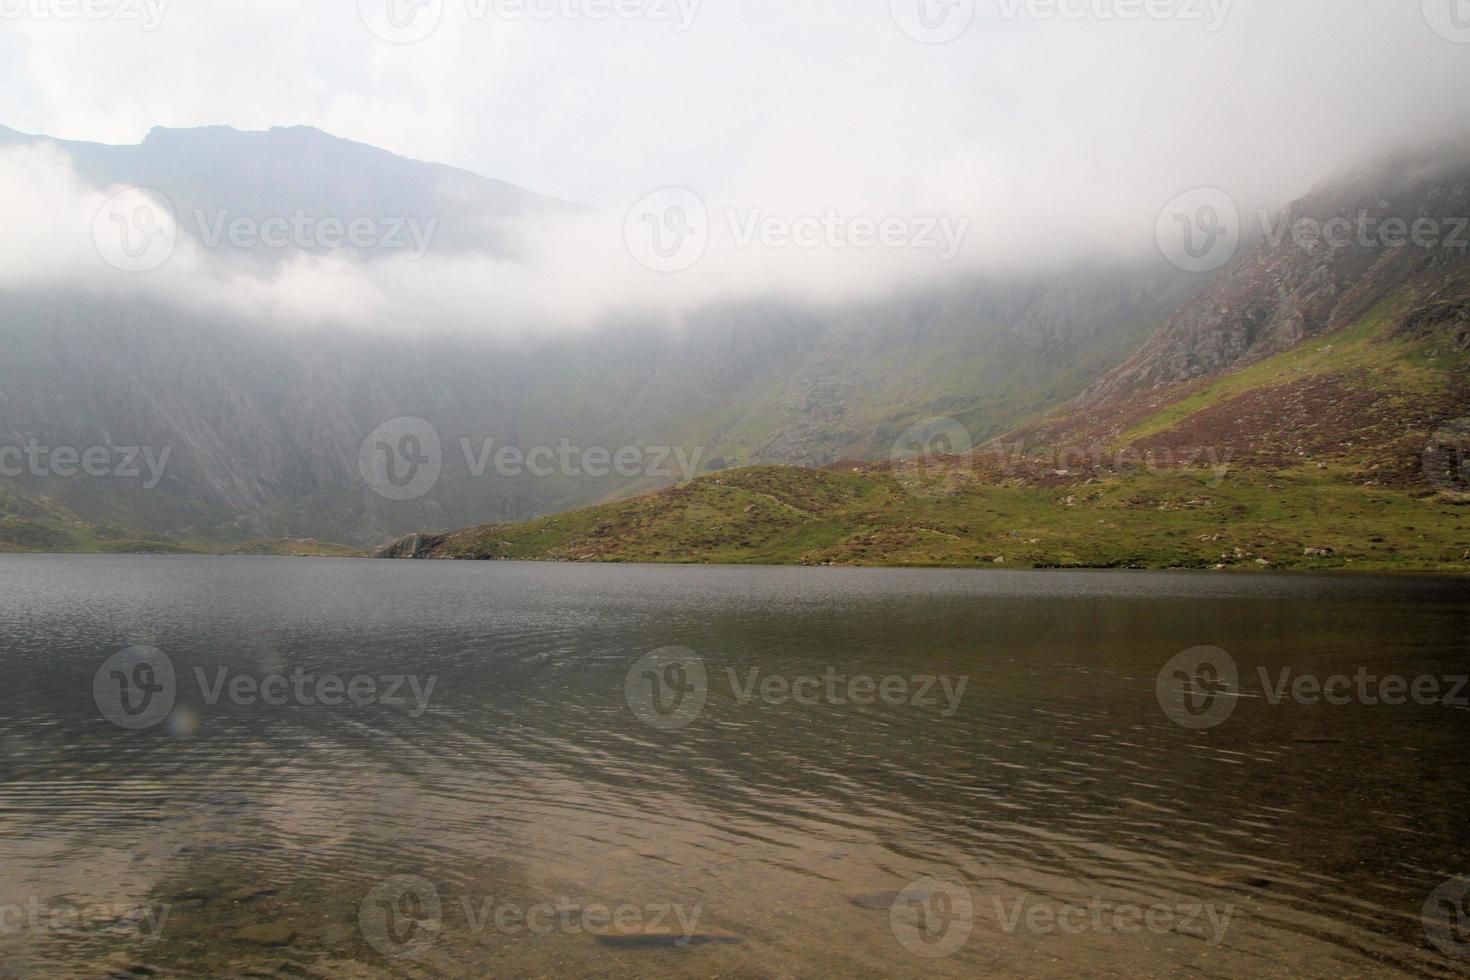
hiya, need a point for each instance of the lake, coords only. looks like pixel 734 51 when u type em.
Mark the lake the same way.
pixel 297 767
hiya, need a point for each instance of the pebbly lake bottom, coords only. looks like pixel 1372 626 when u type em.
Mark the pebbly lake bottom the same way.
pixel 311 768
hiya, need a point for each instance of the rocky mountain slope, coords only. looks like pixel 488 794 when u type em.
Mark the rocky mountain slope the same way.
pixel 1340 297
pixel 1324 263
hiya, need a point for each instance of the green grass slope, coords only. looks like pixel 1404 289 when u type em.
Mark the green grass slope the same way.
pixel 1132 519
pixel 31 522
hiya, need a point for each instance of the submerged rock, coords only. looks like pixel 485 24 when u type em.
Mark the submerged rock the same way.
pixel 874 900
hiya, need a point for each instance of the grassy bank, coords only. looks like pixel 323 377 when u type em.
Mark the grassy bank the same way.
pixel 1308 518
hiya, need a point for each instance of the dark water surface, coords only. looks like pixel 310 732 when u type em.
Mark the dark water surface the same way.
pixel 411 839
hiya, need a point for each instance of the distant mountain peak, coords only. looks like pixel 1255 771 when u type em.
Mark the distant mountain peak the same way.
pixel 293 134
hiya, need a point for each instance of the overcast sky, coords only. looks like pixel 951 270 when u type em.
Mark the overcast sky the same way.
pixel 1045 130
pixel 816 98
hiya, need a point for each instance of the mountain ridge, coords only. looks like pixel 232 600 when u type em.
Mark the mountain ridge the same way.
pixel 266 423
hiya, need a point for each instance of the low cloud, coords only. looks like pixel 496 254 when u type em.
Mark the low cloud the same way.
pixel 831 155
pixel 562 271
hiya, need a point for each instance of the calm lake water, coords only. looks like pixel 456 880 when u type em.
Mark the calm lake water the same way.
pixel 1014 794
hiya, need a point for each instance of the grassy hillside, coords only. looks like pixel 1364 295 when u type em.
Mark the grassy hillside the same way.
pixel 33 523
pixel 1134 519
pixel 1312 459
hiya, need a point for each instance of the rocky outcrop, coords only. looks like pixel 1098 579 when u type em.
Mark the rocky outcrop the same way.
pixel 413 546
pixel 1323 263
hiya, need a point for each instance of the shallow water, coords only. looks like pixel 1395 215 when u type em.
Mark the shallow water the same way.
pixel 785 838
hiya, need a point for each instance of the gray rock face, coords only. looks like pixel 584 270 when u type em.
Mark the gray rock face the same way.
pixel 1309 281
pixel 413 546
